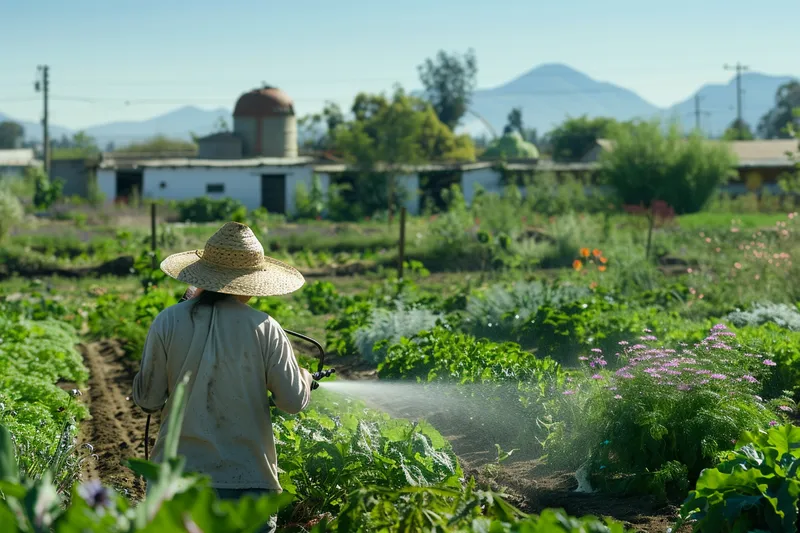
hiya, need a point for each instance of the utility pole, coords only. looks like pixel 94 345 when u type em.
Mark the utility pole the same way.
pixel 43 86
pixel 697 111
pixel 739 68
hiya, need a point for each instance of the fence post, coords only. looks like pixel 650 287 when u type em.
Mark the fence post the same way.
pixel 402 253
pixel 153 233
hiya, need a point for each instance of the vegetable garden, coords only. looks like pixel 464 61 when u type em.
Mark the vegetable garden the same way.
pixel 643 393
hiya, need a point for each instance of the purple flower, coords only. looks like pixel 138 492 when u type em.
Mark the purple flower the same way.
pixel 648 338
pixel 583 358
pixel 623 343
pixel 719 327
pixel 769 362
pixel 773 423
pixel 602 362
pixel 95 494
pixel 751 379
pixel 568 392
pixel 645 330
pixel 617 397
pixel 638 347
pixel 718 376
pixel 785 408
pixel 684 387
pixel 597 350
pixel 597 376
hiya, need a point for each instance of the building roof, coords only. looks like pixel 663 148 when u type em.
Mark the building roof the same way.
pixel 18 157
pixel 756 153
pixel 185 162
pixel 222 136
pixel 264 102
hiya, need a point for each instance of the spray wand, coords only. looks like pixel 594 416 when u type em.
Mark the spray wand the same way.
pixel 316 376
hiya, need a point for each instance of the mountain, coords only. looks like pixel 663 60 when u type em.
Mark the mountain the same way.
pixel 547 94
pixel 550 93
pixel 718 103
pixel 179 124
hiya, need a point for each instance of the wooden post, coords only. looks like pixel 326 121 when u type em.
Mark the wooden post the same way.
pixel 402 254
pixel 153 233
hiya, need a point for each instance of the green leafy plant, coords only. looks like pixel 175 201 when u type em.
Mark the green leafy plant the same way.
pixel 753 488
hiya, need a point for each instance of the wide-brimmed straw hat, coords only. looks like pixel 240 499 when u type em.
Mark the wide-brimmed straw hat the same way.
pixel 233 262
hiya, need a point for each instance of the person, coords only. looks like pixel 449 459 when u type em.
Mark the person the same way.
pixel 234 354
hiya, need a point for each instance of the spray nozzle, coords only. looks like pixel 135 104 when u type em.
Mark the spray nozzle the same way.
pixel 319 375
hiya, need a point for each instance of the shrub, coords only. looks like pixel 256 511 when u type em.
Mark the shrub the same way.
pixel 661 418
pixel 647 165
pixel 11 212
pixel 783 315
pixel 499 311
pixel 204 209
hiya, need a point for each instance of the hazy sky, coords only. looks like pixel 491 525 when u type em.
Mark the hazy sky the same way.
pixel 103 53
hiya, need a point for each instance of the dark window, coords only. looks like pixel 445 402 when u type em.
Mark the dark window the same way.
pixel 212 188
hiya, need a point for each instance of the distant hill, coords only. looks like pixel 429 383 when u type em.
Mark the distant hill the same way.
pixel 33 130
pixel 718 103
pixel 547 94
pixel 550 93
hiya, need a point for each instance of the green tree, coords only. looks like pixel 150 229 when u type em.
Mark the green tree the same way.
pixel 511 146
pixel 388 134
pixel 80 145
pixel 11 135
pixel 776 122
pixel 646 165
pixel 739 130
pixel 449 81
pixel 160 144
pixel 515 123
pixel 315 135
pixel 576 136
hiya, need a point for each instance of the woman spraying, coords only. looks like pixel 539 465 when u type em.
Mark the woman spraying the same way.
pixel 233 353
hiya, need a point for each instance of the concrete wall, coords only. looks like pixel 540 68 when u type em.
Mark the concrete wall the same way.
pixel 242 184
pixel 411 184
pixel 107 183
pixel 267 137
pixel 225 148
pixel 75 175
pixel 486 178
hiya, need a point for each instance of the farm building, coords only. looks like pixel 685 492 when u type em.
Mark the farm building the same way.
pixel 15 161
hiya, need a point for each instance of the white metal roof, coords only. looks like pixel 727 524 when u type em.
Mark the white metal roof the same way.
pixel 185 162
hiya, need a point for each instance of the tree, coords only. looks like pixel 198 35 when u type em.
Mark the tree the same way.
pixel 449 81
pixel 739 130
pixel 661 175
pixel 11 135
pixel 387 134
pixel 159 144
pixel 79 146
pixel 316 136
pixel 576 136
pixel 511 146
pixel 647 165
pixel 515 124
pixel 221 125
pixel 775 123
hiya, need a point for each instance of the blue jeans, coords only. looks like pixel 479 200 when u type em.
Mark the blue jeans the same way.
pixel 235 494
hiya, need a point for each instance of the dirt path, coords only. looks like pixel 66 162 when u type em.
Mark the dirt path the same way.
pixel 116 427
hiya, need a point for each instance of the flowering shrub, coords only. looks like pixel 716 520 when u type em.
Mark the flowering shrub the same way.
pixel 594 257
pixel 663 414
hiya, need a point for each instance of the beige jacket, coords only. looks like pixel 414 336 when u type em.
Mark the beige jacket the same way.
pixel 234 354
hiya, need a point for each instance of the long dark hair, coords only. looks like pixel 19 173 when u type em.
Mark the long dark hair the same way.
pixel 208 298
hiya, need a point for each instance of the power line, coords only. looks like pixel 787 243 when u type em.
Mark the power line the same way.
pixel 739 68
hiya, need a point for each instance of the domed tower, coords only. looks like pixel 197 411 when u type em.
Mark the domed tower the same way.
pixel 264 120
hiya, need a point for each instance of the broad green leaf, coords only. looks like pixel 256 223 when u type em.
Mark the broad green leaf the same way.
pixel 9 470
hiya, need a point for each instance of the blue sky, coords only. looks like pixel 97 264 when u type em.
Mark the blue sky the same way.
pixel 206 53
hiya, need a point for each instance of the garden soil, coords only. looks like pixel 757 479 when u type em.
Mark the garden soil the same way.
pixel 116 427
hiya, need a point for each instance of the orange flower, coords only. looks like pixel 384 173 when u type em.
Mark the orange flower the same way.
pixel 603 260
pixel 577 265
pixel 601 268
pixel 596 252
pixel 593 285
pixel 584 252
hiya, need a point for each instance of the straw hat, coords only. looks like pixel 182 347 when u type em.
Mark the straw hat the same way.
pixel 233 262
